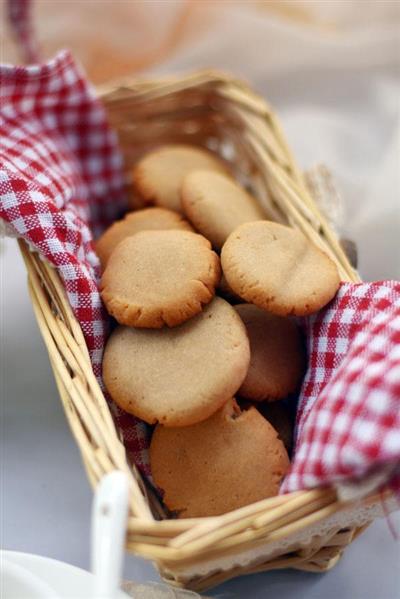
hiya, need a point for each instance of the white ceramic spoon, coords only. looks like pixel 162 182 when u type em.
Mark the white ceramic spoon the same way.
pixel 109 516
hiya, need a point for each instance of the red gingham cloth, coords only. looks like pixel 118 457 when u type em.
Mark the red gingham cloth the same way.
pixel 61 182
pixel 348 415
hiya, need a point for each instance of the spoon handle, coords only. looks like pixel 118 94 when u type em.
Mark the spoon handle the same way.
pixel 109 516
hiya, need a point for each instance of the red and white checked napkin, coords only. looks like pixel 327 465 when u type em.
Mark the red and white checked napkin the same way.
pixel 348 414
pixel 61 182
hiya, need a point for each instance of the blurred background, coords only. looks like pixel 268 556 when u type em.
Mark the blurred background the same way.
pixel 330 68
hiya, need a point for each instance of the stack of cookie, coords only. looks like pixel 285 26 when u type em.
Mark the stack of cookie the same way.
pixel 175 278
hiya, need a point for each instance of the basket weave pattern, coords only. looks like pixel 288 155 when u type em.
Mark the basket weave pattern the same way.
pixel 306 530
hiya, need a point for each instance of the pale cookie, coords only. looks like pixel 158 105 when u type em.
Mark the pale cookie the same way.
pixel 149 219
pixel 159 277
pixel 231 460
pixel 278 269
pixel 158 176
pixel 277 355
pixel 217 205
pixel 178 376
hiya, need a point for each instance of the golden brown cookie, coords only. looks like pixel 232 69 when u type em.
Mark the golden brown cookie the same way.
pixel 149 219
pixel 159 277
pixel 230 460
pixel 278 269
pixel 279 415
pixel 158 176
pixel 277 355
pixel 178 376
pixel 217 205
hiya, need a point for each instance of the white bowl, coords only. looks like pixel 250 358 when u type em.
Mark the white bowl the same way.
pixel 53 579
pixel 19 583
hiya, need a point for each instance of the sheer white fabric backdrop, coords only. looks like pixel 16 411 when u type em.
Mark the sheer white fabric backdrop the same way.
pixel 336 86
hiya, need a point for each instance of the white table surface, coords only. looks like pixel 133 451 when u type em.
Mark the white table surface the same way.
pixel 46 498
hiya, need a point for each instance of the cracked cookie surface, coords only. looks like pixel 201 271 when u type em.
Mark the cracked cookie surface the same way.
pixel 276 268
pixel 231 460
pixel 148 219
pixel 178 376
pixel 157 278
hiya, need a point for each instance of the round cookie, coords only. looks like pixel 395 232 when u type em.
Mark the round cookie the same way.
pixel 158 176
pixel 277 355
pixel 159 277
pixel 148 219
pixel 217 205
pixel 178 376
pixel 231 460
pixel 278 269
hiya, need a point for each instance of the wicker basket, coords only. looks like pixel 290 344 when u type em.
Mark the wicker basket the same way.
pixel 305 530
